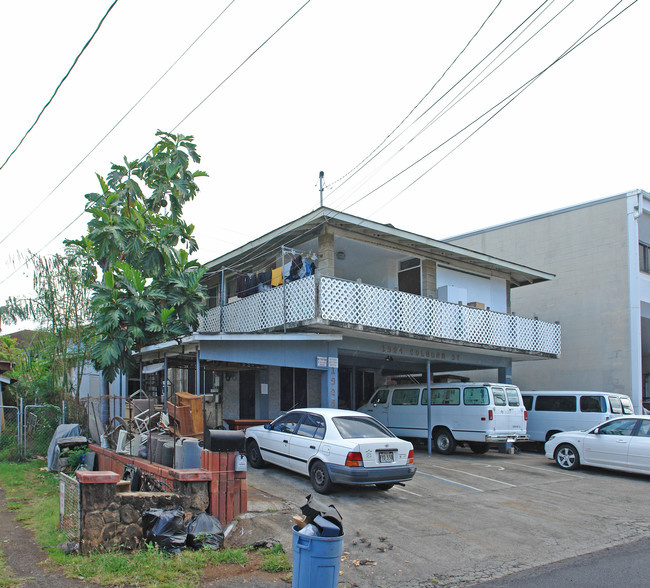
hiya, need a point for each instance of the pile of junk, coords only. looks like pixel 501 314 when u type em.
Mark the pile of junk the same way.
pixel 169 433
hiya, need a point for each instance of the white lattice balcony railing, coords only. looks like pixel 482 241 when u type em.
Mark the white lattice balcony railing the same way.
pixel 344 302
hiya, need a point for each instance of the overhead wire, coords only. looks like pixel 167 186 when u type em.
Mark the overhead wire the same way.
pixel 379 149
pixel 65 77
pixel 180 122
pixel 500 106
pixel 19 224
pixel 463 93
pixel 433 87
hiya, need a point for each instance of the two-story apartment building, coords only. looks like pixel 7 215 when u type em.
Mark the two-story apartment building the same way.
pixel 324 309
pixel 600 254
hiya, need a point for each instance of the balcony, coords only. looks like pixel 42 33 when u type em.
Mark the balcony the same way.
pixel 352 305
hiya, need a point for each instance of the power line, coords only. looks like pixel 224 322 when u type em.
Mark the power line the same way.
pixel 60 84
pixel 259 251
pixel 19 224
pixel 501 105
pixel 423 97
pixel 379 149
pixel 180 122
pixel 460 96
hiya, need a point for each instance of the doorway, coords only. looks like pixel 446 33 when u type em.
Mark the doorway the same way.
pixel 247 394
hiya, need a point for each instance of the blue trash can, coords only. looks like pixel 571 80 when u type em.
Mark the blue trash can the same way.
pixel 316 560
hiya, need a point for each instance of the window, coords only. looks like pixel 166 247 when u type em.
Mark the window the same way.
pixel 478 396
pixel 592 404
pixel 556 403
pixel 644 429
pixel 644 258
pixel 408 276
pixel 380 397
pixel 513 397
pixel 499 396
pixel 312 426
pixel 623 427
pixel 615 403
pixel 293 388
pixel 407 397
pixel 360 428
pixel 627 405
pixel 287 423
pixel 528 402
pixel 442 396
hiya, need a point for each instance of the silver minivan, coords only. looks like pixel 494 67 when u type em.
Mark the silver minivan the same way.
pixel 467 413
pixel 551 412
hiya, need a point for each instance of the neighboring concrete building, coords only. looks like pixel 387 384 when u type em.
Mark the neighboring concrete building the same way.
pixel 600 254
pixel 324 309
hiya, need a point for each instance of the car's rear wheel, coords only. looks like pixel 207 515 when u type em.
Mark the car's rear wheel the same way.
pixel 567 457
pixel 320 478
pixel 384 486
pixel 444 441
pixel 479 447
pixel 254 454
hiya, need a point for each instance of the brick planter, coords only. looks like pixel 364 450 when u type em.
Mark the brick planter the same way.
pixel 226 488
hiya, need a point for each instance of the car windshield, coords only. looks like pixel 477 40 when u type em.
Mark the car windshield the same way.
pixel 360 428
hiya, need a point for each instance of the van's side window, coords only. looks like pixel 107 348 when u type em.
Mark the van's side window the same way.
pixel 499 396
pixel 528 402
pixel 558 403
pixel 380 397
pixel 408 397
pixel 615 403
pixel 442 396
pixel 627 405
pixel 513 397
pixel 476 396
pixel 593 404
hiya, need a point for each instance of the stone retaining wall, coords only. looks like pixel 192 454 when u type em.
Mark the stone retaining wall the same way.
pixel 111 520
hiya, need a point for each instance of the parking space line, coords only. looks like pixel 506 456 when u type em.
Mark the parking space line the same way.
pixel 419 473
pixel 558 472
pixel 408 491
pixel 475 475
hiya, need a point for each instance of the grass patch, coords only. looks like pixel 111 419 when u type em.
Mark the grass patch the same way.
pixel 6 577
pixel 275 559
pixel 33 494
pixel 150 567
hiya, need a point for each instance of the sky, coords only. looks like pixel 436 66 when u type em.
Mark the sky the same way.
pixel 404 105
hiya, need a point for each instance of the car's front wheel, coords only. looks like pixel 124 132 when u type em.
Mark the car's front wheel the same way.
pixel 443 441
pixel 254 454
pixel 567 457
pixel 320 478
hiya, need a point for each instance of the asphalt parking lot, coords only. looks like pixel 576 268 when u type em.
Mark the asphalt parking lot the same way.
pixel 464 518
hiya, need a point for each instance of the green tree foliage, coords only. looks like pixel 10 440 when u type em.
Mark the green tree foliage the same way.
pixel 150 289
pixel 60 305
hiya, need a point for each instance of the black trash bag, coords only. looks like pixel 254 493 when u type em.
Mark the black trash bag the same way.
pixel 165 528
pixel 204 530
pixel 315 508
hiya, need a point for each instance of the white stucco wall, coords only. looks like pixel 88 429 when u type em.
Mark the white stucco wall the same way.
pixel 587 249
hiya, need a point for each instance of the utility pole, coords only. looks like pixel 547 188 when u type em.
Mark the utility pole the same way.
pixel 321 175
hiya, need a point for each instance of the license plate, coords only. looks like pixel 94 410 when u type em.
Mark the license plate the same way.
pixel 386 457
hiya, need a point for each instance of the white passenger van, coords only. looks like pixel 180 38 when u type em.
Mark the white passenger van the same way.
pixel 473 414
pixel 552 412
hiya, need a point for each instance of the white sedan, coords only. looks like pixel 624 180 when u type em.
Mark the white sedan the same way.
pixel 619 444
pixel 332 446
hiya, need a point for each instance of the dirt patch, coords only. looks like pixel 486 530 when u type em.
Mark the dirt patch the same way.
pixel 25 557
pixel 231 575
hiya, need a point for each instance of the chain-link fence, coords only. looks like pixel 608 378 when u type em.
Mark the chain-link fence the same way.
pixel 40 422
pixel 10 433
pixel 69 507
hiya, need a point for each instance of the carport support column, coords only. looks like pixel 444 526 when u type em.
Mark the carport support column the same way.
pixel 505 375
pixel 330 387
